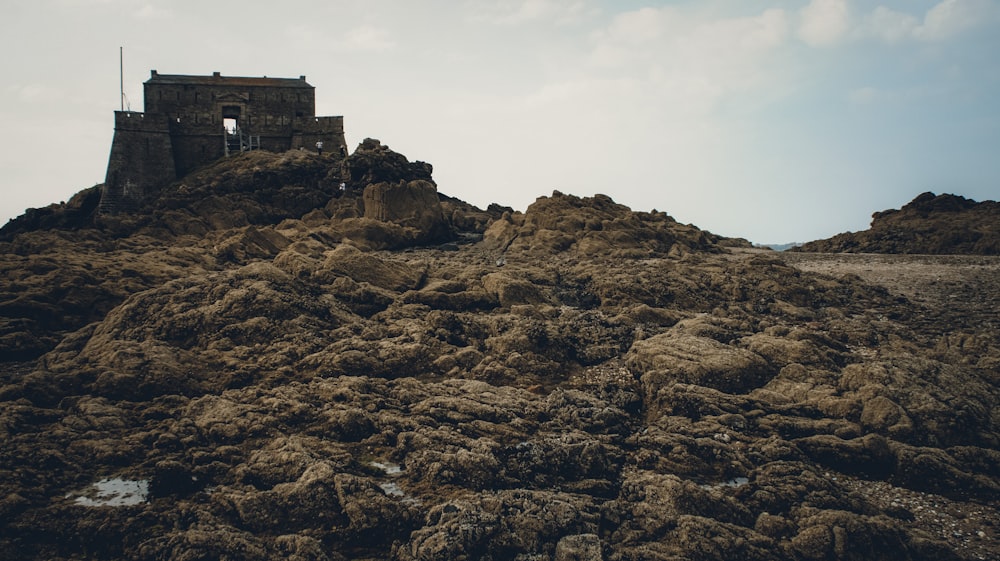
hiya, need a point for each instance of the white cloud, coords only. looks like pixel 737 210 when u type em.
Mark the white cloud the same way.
pixel 366 38
pixel 690 59
pixel 641 26
pixel 952 17
pixel 83 3
pixel 823 22
pixel 889 25
pixel 151 12
pixel 36 93
pixel 512 12
pixel 363 38
pixel 944 20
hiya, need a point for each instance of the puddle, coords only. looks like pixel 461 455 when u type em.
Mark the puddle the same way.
pixel 113 491
pixel 387 468
pixel 391 488
pixel 734 482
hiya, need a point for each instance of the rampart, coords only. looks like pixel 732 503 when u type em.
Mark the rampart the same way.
pixel 190 121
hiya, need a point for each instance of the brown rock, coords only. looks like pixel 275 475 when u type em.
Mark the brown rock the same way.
pixel 587 382
pixel 581 547
pixel 935 224
pixel 669 358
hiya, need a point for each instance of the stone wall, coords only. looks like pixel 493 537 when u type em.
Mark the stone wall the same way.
pixel 265 105
pixel 330 130
pixel 141 160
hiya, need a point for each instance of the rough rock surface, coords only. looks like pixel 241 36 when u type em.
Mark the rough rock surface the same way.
pixel 929 224
pixel 576 382
pixel 413 205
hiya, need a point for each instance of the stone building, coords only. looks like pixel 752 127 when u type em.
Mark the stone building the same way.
pixel 190 121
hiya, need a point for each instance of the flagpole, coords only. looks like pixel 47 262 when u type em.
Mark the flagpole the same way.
pixel 121 75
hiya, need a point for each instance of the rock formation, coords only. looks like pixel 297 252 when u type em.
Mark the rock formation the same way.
pixel 929 224
pixel 261 365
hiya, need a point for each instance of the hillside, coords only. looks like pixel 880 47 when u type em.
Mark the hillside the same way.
pixel 929 224
pixel 262 365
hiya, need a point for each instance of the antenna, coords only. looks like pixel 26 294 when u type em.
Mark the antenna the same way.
pixel 121 79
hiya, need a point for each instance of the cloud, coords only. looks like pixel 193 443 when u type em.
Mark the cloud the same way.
pixel 952 17
pixel 889 25
pixel 151 12
pixel 366 38
pixel 36 93
pixel 943 21
pixel 363 38
pixel 690 58
pixel 823 22
pixel 513 12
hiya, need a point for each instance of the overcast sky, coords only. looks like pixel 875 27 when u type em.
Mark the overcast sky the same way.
pixel 772 120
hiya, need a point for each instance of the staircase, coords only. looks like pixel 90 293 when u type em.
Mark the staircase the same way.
pixel 239 141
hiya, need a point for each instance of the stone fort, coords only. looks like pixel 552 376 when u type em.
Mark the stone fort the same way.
pixel 189 121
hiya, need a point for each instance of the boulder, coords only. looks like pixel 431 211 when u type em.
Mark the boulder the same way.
pixel 414 205
pixel 670 358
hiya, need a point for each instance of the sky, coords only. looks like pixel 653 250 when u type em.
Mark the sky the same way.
pixel 774 121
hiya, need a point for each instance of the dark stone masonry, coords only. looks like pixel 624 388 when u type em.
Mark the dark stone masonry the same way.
pixel 190 121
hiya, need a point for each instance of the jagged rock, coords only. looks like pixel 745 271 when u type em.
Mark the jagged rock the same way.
pixel 373 162
pixel 671 358
pixel 74 214
pixel 593 226
pixel 413 205
pixel 936 224
pixel 581 547
pixel 348 262
pixel 584 382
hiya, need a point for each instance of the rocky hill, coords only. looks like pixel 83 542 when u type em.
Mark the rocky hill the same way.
pixel 264 364
pixel 929 224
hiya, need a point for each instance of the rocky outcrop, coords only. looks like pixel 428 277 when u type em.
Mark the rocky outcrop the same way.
pixel 244 208
pixel 373 162
pixel 929 224
pixel 584 382
pixel 414 206
pixel 76 213
pixel 594 226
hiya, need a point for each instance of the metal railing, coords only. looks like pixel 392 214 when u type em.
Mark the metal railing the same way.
pixel 240 141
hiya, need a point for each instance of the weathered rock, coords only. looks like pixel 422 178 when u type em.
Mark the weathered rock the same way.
pixel 585 382
pixel 593 226
pixel 671 358
pixel 581 547
pixel 373 162
pixel 414 206
pixel 936 224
